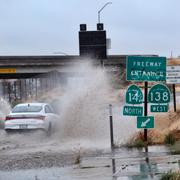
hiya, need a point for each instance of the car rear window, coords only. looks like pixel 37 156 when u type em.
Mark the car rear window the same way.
pixel 30 108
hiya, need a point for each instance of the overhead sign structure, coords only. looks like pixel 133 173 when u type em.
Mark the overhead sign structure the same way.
pixel 145 68
pixel 159 93
pixel 133 111
pixel 145 122
pixel 173 74
pixel 7 70
pixel 159 108
pixel 134 95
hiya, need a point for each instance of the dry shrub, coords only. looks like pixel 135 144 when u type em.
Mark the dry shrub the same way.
pixel 171 175
pixel 165 124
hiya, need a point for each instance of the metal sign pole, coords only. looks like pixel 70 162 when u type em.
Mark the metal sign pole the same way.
pixel 145 107
pixel 174 96
pixel 111 126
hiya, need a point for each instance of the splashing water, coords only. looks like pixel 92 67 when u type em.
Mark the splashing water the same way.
pixel 84 114
pixel 83 106
pixel 4 110
pixel 84 109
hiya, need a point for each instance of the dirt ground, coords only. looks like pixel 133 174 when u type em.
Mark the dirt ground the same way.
pixel 26 151
pixel 33 150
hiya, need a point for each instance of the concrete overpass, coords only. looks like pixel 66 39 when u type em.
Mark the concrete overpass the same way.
pixel 32 66
pixel 23 77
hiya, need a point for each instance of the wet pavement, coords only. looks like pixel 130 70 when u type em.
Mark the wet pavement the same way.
pixel 106 165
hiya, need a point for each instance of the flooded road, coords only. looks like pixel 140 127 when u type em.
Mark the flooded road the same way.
pixel 101 165
pixel 80 148
pixel 33 156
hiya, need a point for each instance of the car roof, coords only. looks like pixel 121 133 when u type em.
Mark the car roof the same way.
pixel 31 104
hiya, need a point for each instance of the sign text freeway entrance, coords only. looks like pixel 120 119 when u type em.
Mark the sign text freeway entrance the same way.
pixel 145 68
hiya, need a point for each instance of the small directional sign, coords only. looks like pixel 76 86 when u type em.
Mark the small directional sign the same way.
pixel 173 74
pixel 159 108
pixel 145 122
pixel 133 111
pixel 134 95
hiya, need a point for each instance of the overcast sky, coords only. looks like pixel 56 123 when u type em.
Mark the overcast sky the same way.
pixel 31 27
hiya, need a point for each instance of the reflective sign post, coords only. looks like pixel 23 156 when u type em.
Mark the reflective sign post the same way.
pixel 145 107
pixel 174 96
pixel 111 127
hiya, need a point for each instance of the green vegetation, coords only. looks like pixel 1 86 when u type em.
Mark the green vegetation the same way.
pixel 137 143
pixel 169 139
pixel 171 176
pixel 175 149
pixel 78 159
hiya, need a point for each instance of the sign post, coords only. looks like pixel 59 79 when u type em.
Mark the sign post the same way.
pixel 174 96
pixel 145 107
pixel 111 127
pixel 145 69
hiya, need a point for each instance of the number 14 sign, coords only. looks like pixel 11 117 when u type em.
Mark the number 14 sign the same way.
pixel 134 95
pixel 159 93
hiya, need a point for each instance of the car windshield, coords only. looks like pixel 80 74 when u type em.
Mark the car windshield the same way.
pixel 27 108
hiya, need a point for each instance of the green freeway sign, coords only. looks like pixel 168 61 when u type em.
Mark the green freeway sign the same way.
pixel 145 122
pixel 134 95
pixel 159 93
pixel 133 111
pixel 159 108
pixel 144 68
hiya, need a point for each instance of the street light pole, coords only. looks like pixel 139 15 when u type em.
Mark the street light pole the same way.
pixel 101 10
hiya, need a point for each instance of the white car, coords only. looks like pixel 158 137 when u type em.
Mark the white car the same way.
pixel 28 116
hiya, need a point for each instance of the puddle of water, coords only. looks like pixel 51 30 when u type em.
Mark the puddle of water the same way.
pixel 109 166
pixel 68 173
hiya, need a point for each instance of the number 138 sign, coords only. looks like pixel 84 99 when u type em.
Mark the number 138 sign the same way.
pixel 159 93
